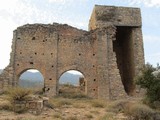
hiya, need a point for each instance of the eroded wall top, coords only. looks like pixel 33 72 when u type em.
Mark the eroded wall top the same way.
pixel 119 16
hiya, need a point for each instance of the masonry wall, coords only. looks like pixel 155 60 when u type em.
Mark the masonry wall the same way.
pixel 55 49
pixel 109 55
pixel 127 52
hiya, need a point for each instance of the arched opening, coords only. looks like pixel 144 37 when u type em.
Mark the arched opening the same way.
pixel 31 78
pixel 72 83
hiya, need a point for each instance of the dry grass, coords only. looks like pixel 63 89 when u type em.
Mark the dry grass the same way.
pixel 83 108
pixel 134 110
pixel 57 116
pixel 58 102
pixel 6 105
pixel 98 103
pixel 72 92
pixel 89 116
pixel 72 118
pixel 18 94
pixel 118 106
pixel 108 116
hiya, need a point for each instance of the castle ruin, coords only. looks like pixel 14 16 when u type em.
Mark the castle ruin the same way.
pixel 109 55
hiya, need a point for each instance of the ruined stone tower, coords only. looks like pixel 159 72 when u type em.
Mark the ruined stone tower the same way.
pixel 109 55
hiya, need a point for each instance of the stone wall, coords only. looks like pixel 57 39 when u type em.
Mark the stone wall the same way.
pixel 109 55
pixel 126 48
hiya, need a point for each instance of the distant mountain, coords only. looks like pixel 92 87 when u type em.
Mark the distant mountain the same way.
pixel 70 78
pixel 33 79
pixel 33 76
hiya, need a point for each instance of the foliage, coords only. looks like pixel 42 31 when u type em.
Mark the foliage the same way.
pixel 150 82
pixel 18 94
pixel 134 110
pixel 140 112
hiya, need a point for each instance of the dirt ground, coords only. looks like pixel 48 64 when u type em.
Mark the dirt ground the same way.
pixel 77 110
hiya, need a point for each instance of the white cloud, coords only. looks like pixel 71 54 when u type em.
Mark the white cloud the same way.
pixel 148 3
pixel 66 1
pixel 57 1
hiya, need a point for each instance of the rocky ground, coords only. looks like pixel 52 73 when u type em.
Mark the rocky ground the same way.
pixel 72 106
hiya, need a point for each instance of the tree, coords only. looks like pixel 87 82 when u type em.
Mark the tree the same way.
pixel 150 80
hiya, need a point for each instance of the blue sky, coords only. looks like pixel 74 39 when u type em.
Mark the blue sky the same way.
pixel 14 13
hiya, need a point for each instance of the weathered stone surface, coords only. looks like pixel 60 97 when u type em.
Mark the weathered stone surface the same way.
pixel 118 16
pixel 109 56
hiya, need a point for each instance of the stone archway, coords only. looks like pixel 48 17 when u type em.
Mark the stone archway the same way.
pixel 31 78
pixel 71 82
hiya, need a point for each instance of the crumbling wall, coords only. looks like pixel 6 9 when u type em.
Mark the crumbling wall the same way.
pixel 109 55
pixel 127 44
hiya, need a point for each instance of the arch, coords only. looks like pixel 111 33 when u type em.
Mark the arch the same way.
pixel 73 78
pixel 31 78
pixel 25 69
pixel 75 74
pixel 70 70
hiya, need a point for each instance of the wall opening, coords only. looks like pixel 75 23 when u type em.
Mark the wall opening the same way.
pixel 31 78
pixel 123 47
pixel 71 82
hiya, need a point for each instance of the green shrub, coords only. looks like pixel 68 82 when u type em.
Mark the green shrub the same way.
pixel 150 82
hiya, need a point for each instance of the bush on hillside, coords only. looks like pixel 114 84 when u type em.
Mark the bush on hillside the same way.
pixel 150 82
pixel 18 94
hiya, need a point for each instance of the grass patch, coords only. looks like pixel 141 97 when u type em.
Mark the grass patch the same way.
pixel 108 116
pixel 79 105
pixel 18 94
pixel 72 118
pixel 89 116
pixel 6 106
pixel 135 111
pixel 98 104
pixel 72 92
pixel 58 115
pixel 140 112
pixel 17 98
pixel 95 112
pixel 58 102
pixel 118 106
